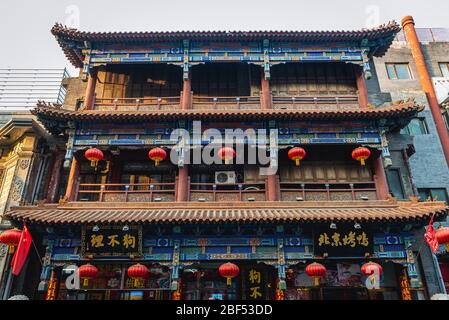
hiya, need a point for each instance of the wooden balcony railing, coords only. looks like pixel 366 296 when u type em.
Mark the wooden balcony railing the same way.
pixel 316 102
pixel 292 191
pixel 119 192
pixel 137 104
pixel 210 192
pixel 225 103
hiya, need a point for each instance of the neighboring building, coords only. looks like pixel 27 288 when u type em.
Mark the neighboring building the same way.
pixel 398 78
pixel 163 230
pixel 25 146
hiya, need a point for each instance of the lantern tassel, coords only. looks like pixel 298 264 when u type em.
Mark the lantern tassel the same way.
pixel 297 162
pixel 447 247
pixel 228 281
pixel 11 249
pixel 317 281
pixel 362 162
pixel 156 162
pixel 85 282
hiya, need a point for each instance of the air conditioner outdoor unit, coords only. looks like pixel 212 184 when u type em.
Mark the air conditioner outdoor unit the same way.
pixel 224 177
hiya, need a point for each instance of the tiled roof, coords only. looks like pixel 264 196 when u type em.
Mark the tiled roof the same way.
pixel 87 213
pixel 56 112
pixel 64 34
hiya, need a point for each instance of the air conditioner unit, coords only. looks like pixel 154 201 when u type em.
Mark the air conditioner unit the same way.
pixel 224 177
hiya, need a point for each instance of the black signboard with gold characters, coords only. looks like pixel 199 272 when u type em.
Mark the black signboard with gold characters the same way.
pixel 344 241
pixel 255 283
pixel 111 241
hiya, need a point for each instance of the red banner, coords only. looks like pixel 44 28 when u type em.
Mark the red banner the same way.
pixel 22 251
pixel 430 237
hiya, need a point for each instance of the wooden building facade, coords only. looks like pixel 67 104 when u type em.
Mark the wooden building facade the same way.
pixel 183 219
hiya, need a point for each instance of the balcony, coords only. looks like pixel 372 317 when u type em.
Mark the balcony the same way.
pixel 237 192
pixel 328 191
pixel 119 192
pixel 210 192
pixel 149 104
pixel 146 104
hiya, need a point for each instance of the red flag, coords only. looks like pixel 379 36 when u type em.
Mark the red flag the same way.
pixel 431 238
pixel 22 251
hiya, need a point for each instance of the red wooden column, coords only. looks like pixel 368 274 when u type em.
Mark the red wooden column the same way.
pixel 380 179
pixel 183 184
pixel 408 24
pixel 266 104
pixel 182 193
pixel 72 182
pixel 362 91
pixel 55 175
pixel 89 97
pixel 186 101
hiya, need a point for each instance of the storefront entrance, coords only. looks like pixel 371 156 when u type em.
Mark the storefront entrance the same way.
pixel 113 283
pixel 343 281
pixel 202 281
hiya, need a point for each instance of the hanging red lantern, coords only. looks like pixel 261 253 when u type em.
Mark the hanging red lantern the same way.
pixel 361 154
pixel 229 270
pixel 442 235
pixel 297 154
pixel 11 238
pixel 138 272
pixel 317 271
pixel 157 155
pixel 373 271
pixel 94 155
pixel 370 268
pixel 226 154
pixel 87 272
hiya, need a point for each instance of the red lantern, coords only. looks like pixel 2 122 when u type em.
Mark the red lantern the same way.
pixel 226 154
pixel 361 154
pixel 442 235
pixel 87 272
pixel 11 238
pixel 316 270
pixel 138 272
pixel 229 271
pixel 94 155
pixel 297 154
pixel 157 155
pixel 372 270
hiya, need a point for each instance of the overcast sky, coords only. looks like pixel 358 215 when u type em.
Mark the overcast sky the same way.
pixel 27 43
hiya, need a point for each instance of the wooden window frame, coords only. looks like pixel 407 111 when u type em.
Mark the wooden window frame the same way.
pixel 394 65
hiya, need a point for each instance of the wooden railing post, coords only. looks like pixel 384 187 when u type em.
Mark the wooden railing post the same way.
pixel 102 189
pixel 351 185
pixel 126 193
pixel 214 192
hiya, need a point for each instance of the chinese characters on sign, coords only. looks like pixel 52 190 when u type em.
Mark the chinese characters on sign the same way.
pixel 255 284
pixel 343 242
pixel 405 287
pixel 112 241
pixel 52 284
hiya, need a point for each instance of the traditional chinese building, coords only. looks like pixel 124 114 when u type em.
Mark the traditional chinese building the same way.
pixel 145 218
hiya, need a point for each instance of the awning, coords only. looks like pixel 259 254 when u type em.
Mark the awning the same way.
pixel 194 212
